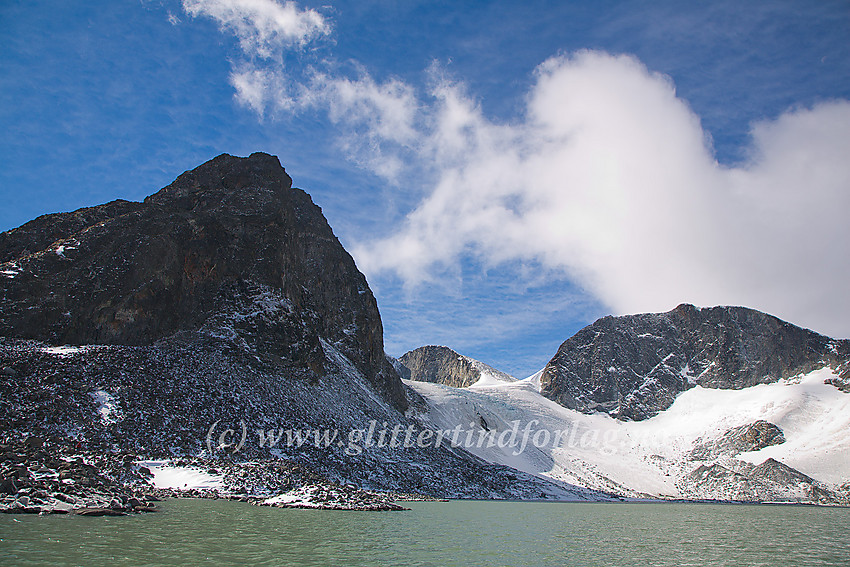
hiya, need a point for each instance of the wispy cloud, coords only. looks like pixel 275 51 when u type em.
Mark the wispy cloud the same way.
pixel 262 26
pixel 260 87
pixel 379 118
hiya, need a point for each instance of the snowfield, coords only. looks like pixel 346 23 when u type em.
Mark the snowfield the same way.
pixel 166 475
pixel 645 458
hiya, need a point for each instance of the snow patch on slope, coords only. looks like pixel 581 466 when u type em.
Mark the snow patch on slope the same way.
pixel 302 497
pixel 489 375
pixel 11 270
pixel 166 475
pixel 63 351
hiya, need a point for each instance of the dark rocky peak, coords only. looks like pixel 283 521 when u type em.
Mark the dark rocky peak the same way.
pixel 634 366
pixel 442 365
pixel 241 184
pixel 747 346
pixel 228 249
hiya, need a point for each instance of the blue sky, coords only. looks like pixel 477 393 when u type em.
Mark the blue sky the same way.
pixel 503 172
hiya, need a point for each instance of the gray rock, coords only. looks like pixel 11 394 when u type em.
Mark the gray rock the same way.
pixel 716 482
pixel 771 481
pixel 97 511
pixel 442 365
pixel 59 507
pixel 751 437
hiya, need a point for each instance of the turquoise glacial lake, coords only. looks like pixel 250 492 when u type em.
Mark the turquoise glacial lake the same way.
pixel 462 533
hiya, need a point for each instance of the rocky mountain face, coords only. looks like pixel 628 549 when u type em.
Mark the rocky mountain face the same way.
pixel 633 367
pixel 442 365
pixel 195 395
pixel 230 248
pixel 218 322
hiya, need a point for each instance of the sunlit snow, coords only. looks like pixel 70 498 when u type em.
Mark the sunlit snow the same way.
pixel 646 457
pixel 166 475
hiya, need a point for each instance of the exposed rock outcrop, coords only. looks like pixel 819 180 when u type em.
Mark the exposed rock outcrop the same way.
pixel 39 477
pixel 750 437
pixel 771 481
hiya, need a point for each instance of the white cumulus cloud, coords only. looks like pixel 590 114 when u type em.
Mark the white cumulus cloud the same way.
pixel 610 180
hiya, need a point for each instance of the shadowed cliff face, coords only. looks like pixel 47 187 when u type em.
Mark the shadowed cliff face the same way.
pixel 229 249
pixel 633 367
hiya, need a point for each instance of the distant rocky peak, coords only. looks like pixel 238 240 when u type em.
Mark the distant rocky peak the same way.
pixel 634 366
pixel 442 365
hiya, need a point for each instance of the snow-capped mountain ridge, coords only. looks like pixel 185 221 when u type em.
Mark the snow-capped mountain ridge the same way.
pixel 633 367
pixel 708 403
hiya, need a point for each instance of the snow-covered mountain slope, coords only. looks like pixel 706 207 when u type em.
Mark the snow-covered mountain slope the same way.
pixel 516 426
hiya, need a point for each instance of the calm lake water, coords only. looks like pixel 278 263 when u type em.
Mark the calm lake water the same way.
pixel 209 532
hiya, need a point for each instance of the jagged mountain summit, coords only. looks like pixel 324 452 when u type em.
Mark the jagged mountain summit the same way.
pixel 229 248
pixel 633 367
pixel 442 365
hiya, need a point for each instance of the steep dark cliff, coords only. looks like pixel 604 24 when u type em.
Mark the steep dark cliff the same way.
pixel 230 249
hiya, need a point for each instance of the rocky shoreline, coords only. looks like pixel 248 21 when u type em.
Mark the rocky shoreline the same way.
pixel 40 477
pixel 36 478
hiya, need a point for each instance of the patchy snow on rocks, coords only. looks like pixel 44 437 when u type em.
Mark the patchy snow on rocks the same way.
pixel 107 407
pixel 330 497
pixel 65 350
pixel 10 270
